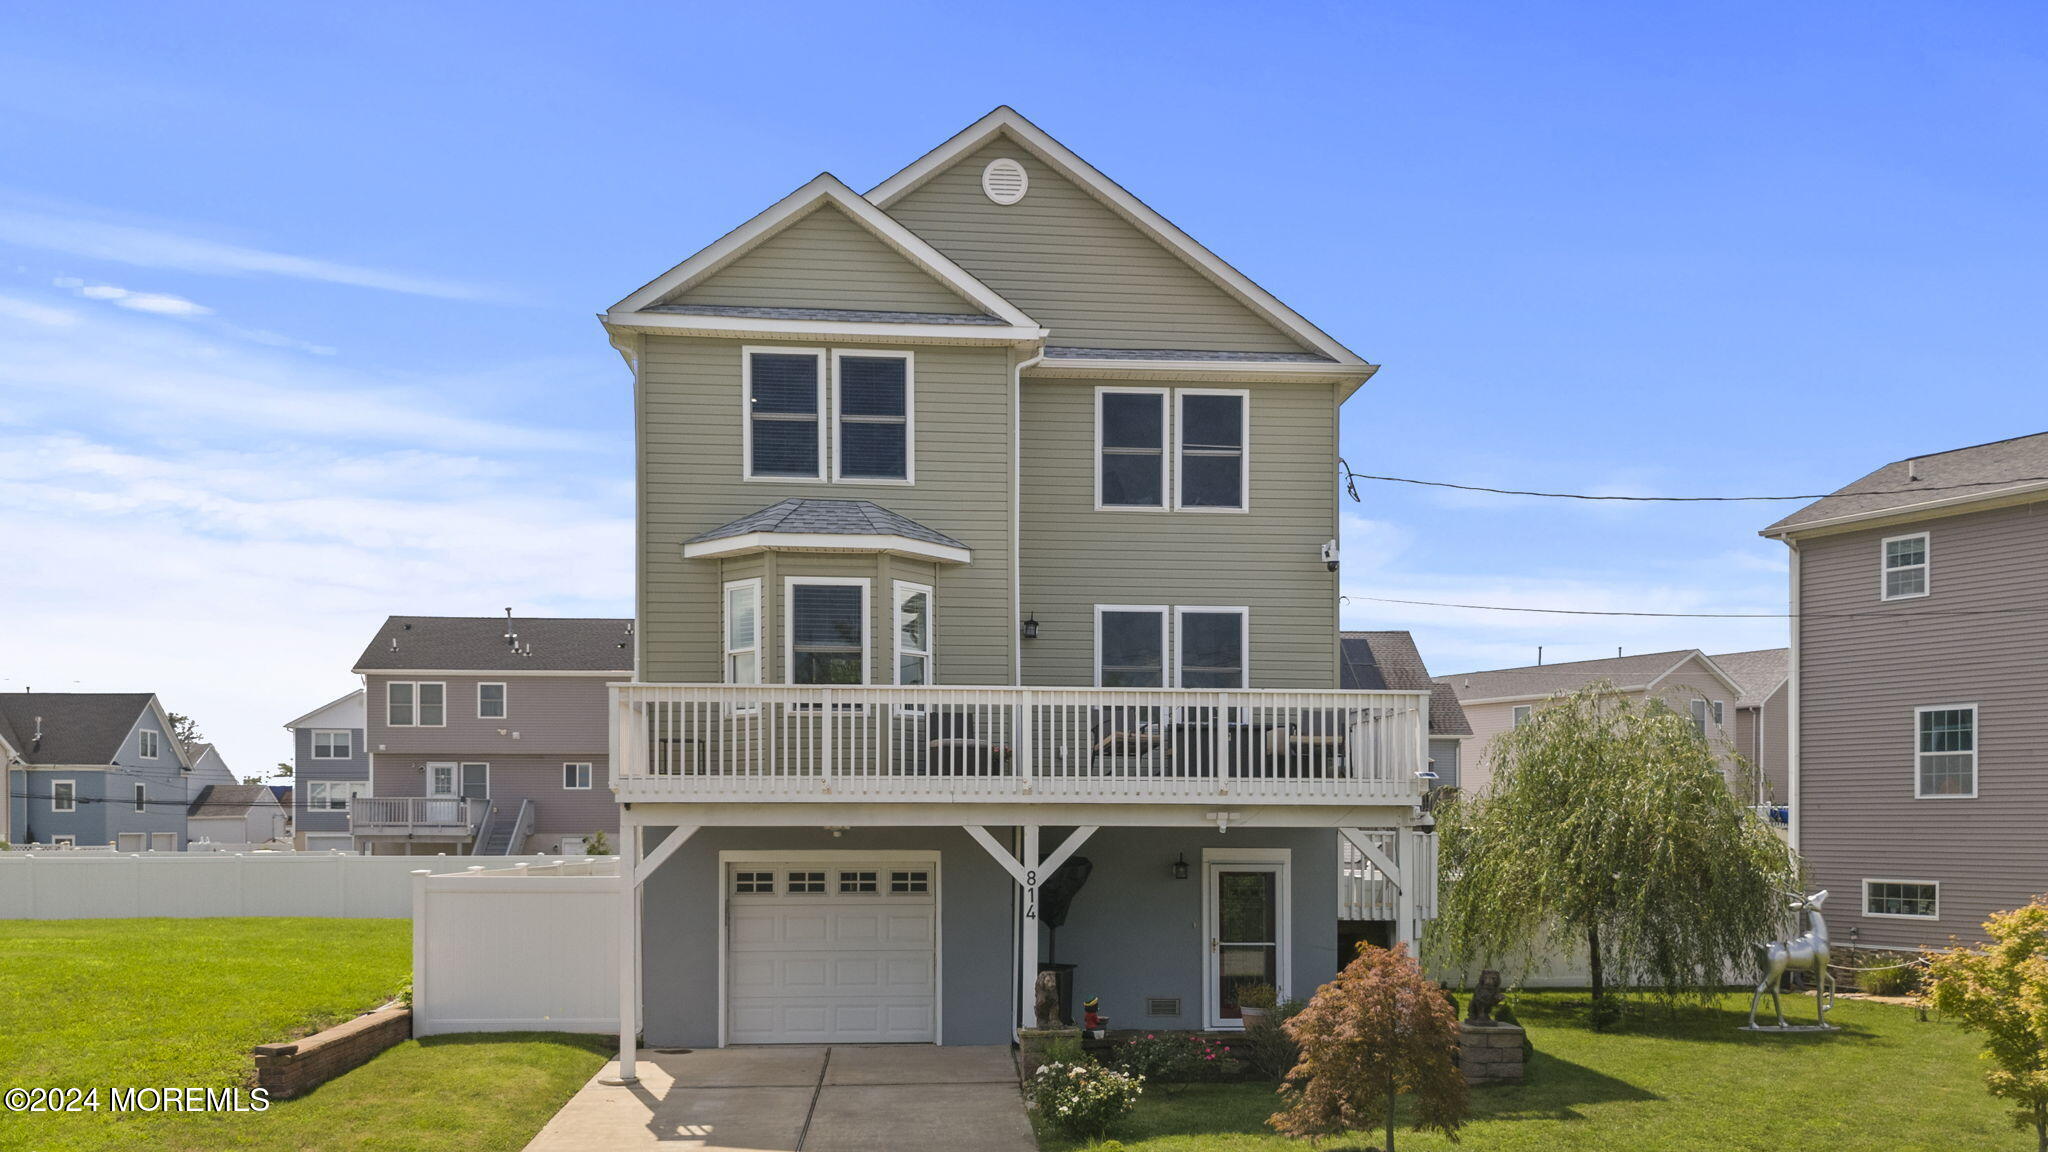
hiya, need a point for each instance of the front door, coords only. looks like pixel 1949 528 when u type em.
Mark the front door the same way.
pixel 441 780
pixel 1246 916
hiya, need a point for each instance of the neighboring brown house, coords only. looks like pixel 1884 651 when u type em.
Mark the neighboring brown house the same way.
pixel 1761 732
pixel 1920 694
pixel 487 735
pixel 1688 680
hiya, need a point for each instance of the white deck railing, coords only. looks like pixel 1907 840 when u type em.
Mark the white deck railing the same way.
pixel 781 742
pixel 1364 892
pixel 415 815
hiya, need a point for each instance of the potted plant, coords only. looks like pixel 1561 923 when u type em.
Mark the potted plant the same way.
pixel 1255 1002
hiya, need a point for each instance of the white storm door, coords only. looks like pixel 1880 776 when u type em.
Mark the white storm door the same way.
pixel 1245 922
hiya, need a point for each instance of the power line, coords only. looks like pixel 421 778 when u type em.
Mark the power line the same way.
pixel 1710 615
pixel 1352 478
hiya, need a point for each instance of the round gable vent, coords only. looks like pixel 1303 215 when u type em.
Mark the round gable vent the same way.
pixel 1004 180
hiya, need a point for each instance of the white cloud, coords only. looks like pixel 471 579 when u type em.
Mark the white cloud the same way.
pixel 150 248
pixel 160 303
pixel 30 312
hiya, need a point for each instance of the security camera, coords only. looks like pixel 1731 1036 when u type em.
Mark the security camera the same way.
pixel 1330 555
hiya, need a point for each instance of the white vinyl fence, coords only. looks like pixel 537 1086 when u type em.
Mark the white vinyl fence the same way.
pixel 98 886
pixel 526 949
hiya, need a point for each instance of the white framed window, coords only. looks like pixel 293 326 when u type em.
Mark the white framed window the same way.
pixel 416 704
pixel 1945 751
pixel 142 797
pixel 1903 567
pixel 753 883
pixel 490 701
pixel 874 422
pixel 63 795
pixel 148 744
pixel 1212 450
pixel 743 632
pixel 783 394
pixel 576 776
pixel 476 781
pixel 825 630
pixel 1521 715
pixel 338 744
pixel 1719 713
pixel 852 882
pixel 1130 645
pixel 1130 447
pixel 1700 712
pixel 1212 647
pixel 913 633
pixel 64 841
pixel 806 883
pixel 332 795
pixel 1902 899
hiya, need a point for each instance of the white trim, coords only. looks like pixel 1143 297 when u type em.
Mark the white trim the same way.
pixel 909 359
pixel 818 403
pixel 1519 715
pixel 588 775
pixel 454 779
pixel 1244 640
pixel 1165 612
pixel 1792 804
pixel 795 206
pixel 728 857
pixel 1976 734
pixel 54 785
pixel 149 744
pixel 867 622
pixel 1700 655
pixel 898 590
pixel 500 673
pixel 1925 566
pixel 1244 475
pixel 1247 371
pixel 417 707
pixel 141 797
pixel 1281 862
pixel 504 699
pixel 357 694
pixel 760 645
pixel 881 332
pixel 1947 505
pixel 462 777
pixel 1865 907
pixel 825 542
pixel 64 840
pixel 313 743
pixel 1166 408
pixel 1159 228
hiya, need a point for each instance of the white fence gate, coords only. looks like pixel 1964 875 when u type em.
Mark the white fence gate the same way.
pixel 521 949
pixel 102 886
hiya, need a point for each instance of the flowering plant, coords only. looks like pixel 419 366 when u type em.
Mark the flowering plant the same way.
pixel 1083 1099
pixel 1170 1057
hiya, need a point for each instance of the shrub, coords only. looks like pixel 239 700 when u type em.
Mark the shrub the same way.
pixel 597 845
pixel 1885 980
pixel 1169 1057
pixel 1268 1048
pixel 1997 991
pixel 1066 1050
pixel 1258 996
pixel 1081 1101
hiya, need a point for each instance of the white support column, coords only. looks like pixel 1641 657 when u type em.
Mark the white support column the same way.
pixel 629 946
pixel 1027 931
pixel 1404 894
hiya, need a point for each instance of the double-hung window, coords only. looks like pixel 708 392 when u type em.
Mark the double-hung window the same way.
pixel 1210 436
pixel 872 422
pixel 1209 647
pixel 1130 427
pixel 147 744
pixel 576 776
pixel 333 745
pixel 1521 714
pixel 1130 646
pixel 142 797
pixel 1903 574
pixel 63 796
pixel 332 795
pixel 1945 757
pixel 785 406
pixel 490 701
pixel 1701 711
pixel 913 633
pixel 743 632
pixel 415 704
pixel 825 630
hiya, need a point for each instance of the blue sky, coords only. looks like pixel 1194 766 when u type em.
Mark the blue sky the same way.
pixel 296 302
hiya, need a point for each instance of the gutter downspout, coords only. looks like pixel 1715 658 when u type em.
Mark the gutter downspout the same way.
pixel 1017 514
pixel 1793 807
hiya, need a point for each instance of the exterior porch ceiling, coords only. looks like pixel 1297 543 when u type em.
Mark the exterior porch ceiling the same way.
pixel 958 813
pixel 804 525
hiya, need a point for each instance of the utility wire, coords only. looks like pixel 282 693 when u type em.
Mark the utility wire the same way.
pixel 1709 615
pixel 1352 478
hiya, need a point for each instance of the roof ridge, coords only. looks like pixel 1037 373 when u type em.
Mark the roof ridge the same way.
pixel 1568 663
pixel 1966 448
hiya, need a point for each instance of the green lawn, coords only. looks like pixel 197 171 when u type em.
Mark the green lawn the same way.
pixel 1887 1083
pixel 128 1003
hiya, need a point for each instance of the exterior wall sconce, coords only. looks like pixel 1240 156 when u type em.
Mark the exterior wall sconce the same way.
pixel 1180 866
pixel 1031 627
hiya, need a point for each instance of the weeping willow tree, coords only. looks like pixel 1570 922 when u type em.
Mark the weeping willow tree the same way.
pixel 1609 822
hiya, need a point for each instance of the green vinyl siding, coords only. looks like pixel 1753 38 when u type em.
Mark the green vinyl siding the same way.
pixel 690 415
pixel 1075 266
pixel 1268 559
pixel 825 260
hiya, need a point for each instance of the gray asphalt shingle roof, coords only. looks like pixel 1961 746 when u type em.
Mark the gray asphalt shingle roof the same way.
pixel 477 643
pixel 229 800
pixel 1758 672
pixel 1979 469
pixel 78 727
pixel 1546 679
pixel 1190 354
pixel 829 518
pixel 850 315
pixel 1390 660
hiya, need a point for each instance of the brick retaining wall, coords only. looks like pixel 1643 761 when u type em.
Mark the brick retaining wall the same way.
pixel 288 1070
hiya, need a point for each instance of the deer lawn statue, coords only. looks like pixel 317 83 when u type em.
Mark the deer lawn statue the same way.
pixel 1806 953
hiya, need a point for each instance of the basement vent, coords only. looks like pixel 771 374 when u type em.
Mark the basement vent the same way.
pixel 1004 180
pixel 1162 1006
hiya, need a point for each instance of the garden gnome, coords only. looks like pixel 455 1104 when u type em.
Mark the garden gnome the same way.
pixel 1091 1019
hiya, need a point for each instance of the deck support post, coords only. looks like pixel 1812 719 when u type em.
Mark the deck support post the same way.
pixel 1029 871
pixel 629 941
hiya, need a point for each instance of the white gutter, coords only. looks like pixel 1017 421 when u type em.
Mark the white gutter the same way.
pixel 1792 804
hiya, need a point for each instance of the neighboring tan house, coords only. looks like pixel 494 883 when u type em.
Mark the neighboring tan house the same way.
pixel 1688 680
pixel 1762 731
pixel 1920 694
pixel 995 423
pixel 208 768
pixel 330 768
pixel 238 814
pixel 94 768
pixel 488 735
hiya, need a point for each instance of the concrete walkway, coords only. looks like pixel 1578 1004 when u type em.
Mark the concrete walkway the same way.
pixel 880 1098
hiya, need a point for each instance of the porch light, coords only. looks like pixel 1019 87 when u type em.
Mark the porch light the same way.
pixel 1180 866
pixel 1031 627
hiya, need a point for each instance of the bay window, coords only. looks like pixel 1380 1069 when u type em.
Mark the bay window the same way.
pixel 913 633
pixel 743 632
pixel 825 630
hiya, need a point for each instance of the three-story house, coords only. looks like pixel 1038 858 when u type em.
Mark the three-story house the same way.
pixel 330 769
pixel 987 604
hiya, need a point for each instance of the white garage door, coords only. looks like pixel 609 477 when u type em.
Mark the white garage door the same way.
pixel 832 951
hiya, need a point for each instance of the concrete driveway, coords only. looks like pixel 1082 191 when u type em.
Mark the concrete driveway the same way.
pixel 879 1098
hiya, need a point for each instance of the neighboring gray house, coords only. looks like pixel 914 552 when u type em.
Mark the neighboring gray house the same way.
pixel 238 814
pixel 994 424
pixel 94 768
pixel 1381 660
pixel 488 735
pixel 1762 734
pixel 330 768
pixel 208 768
pixel 1920 694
